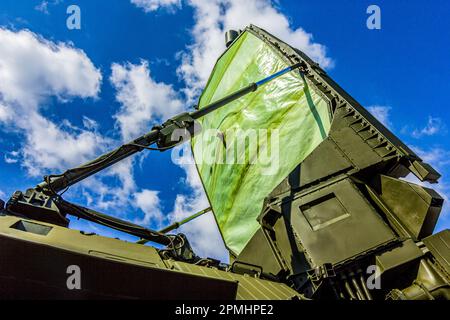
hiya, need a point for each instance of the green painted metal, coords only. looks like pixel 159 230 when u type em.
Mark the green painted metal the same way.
pixel 176 225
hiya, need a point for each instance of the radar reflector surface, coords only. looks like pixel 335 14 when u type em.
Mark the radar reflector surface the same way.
pixel 248 147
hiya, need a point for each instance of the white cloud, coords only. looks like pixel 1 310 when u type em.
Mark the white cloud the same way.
pixel 112 190
pixel 52 147
pixel 44 5
pixel 148 202
pixel 6 113
pixel 264 14
pixel 433 127
pixel 143 99
pixel 382 114
pixel 153 5
pixel 90 124
pixel 213 18
pixel 12 157
pixel 32 71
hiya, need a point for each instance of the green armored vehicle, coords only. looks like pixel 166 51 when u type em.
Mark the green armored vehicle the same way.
pixel 305 185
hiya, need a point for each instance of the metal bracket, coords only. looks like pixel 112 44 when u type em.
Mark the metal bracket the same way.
pixel 322 272
pixel 177 130
pixel 269 216
pixel 36 205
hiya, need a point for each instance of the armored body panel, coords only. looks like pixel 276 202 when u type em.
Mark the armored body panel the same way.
pixel 36 257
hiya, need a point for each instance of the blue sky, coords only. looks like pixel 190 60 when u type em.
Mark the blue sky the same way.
pixel 136 62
